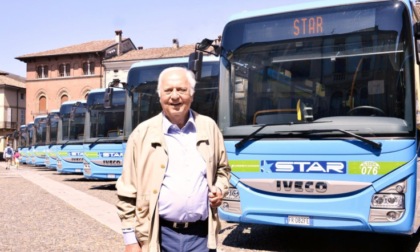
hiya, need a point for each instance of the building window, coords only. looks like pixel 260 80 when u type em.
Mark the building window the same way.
pixel 88 68
pixel 64 70
pixel 64 98
pixel 22 96
pixel 22 116
pixel 42 104
pixel 42 72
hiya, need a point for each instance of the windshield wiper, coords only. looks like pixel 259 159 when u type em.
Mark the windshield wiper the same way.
pixel 374 144
pixel 106 140
pixel 240 144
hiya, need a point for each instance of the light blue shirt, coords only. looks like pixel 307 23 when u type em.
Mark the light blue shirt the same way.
pixel 184 193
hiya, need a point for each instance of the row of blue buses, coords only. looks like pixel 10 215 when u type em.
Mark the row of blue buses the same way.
pixel 318 105
pixel 89 136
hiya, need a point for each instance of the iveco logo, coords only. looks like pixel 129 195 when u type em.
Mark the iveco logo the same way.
pixel 77 160
pixel 112 162
pixel 308 166
pixel 301 186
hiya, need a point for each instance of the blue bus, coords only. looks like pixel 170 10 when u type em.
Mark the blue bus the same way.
pixel 52 145
pixel 30 140
pixel 318 107
pixel 22 143
pixel 40 137
pixel 103 138
pixel 70 137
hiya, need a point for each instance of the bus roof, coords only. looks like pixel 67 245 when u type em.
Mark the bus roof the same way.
pixel 156 62
pixel 284 8
pixel 53 111
pixel 40 117
pixel 102 90
pixel 73 102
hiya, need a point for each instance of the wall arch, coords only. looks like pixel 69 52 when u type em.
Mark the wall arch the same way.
pixel 85 91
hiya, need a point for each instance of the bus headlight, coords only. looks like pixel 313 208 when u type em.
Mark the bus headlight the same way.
pixel 233 194
pixel 394 201
pixel 231 202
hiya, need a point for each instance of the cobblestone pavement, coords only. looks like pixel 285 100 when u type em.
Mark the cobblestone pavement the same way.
pixel 33 219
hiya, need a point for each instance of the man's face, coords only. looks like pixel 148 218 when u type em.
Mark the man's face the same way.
pixel 175 97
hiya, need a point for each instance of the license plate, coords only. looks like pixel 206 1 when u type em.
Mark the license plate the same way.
pixel 78 170
pixel 299 220
pixel 111 176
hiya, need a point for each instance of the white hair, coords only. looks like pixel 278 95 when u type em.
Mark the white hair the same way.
pixel 188 73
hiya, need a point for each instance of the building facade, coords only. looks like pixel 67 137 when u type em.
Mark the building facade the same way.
pixel 116 68
pixel 12 106
pixel 69 73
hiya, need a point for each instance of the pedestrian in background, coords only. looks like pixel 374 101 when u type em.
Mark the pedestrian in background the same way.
pixel 175 174
pixel 8 156
pixel 16 158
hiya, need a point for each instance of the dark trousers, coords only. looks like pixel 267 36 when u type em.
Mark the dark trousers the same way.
pixel 192 239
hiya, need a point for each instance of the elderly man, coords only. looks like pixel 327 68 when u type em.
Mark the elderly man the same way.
pixel 175 174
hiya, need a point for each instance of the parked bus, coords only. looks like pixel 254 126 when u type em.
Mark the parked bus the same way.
pixel 39 146
pixel 23 144
pixel 52 132
pixel 30 138
pixel 318 110
pixel 70 137
pixel 103 138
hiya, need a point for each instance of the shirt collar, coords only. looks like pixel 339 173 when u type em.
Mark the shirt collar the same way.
pixel 169 127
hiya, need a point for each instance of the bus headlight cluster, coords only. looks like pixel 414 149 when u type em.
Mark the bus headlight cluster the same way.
pixel 86 168
pixel 388 205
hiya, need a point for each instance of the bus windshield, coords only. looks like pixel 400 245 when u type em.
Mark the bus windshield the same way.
pixel 52 122
pixel 23 134
pixel 345 66
pixel 72 122
pixel 105 122
pixel 40 130
pixel 142 83
pixel 30 134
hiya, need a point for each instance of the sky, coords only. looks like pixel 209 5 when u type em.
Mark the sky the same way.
pixel 28 26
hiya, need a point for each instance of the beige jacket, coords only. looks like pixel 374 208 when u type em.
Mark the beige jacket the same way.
pixel 145 161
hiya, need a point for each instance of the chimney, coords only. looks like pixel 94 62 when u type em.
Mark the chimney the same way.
pixel 175 43
pixel 140 47
pixel 118 39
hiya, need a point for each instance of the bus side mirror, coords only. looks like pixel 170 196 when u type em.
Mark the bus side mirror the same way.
pixel 108 98
pixel 205 44
pixel 195 63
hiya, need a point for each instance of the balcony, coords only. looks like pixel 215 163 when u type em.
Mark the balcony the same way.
pixel 9 125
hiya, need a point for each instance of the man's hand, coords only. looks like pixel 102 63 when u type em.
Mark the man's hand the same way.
pixel 215 197
pixel 132 248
